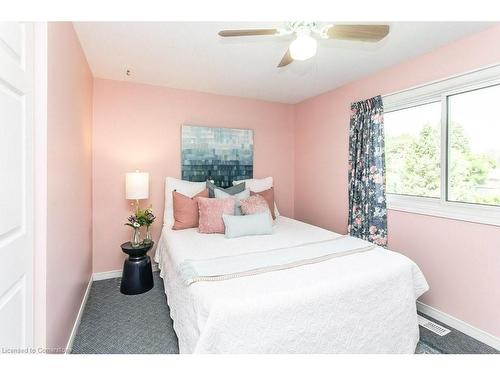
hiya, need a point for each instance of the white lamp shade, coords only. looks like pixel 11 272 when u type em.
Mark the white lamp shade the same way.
pixel 137 185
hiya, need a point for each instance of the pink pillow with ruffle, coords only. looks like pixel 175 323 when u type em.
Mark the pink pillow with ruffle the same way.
pixel 211 210
pixel 254 204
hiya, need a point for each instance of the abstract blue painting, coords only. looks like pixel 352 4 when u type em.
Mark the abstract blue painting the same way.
pixel 219 154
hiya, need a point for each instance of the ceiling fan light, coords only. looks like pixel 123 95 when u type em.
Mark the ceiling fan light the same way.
pixel 303 48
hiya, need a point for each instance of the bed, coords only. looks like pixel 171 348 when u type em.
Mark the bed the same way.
pixel 360 303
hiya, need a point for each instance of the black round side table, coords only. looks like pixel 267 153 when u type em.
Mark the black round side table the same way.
pixel 137 275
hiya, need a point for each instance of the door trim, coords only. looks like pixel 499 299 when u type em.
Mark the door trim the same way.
pixel 40 188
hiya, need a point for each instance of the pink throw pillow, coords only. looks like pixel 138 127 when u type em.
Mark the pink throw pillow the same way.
pixel 211 210
pixel 268 195
pixel 254 204
pixel 186 210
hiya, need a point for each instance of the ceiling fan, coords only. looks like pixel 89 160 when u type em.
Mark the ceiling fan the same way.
pixel 304 45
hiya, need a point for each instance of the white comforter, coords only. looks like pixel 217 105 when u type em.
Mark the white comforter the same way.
pixel 362 303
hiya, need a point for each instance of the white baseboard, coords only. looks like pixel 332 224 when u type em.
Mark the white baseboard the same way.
pixel 460 325
pixel 106 275
pixel 69 345
pixel 115 273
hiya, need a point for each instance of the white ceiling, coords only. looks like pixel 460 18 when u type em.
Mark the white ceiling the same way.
pixel 190 55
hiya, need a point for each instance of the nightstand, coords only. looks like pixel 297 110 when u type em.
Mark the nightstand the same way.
pixel 137 275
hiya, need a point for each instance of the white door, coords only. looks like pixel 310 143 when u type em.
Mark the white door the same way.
pixel 16 185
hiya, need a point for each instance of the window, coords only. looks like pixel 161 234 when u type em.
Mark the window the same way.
pixel 443 148
pixel 413 150
pixel 474 147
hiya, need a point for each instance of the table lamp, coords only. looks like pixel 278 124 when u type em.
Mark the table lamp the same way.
pixel 137 186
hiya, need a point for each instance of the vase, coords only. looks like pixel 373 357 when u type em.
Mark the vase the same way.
pixel 147 238
pixel 136 238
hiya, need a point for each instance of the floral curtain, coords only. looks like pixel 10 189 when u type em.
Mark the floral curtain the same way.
pixel 367 203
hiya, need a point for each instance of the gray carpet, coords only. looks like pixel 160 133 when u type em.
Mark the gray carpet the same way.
pixel 116 323
pixel 454 342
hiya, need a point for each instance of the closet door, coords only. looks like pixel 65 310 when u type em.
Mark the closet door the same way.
pixel 16 185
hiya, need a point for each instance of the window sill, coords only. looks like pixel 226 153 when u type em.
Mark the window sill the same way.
pixel 473 213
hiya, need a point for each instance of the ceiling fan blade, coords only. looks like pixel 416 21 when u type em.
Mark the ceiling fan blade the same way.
pixel 287 59
pixel 248 32
pixel 365 33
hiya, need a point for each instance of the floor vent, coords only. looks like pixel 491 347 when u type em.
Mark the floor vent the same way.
pixel 431 326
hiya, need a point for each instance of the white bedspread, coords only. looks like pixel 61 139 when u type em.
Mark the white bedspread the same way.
pixel 362 303
pixel 257 262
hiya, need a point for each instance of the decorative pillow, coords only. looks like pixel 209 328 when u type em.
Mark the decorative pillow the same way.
pixel 257 185
pixel 268 195
pixel 187 188
pixel 248 225
pixel 254 205
pixel 237 197
pixel 232 190
pixel 186 213
pixel 211 211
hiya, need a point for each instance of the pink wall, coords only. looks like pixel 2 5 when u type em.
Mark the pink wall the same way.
pixel 139 126
pixel 69 163
pixel 460 260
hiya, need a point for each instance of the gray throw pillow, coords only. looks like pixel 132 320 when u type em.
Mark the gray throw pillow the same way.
pixel 230 190
pixel 248 225
pixel 219 193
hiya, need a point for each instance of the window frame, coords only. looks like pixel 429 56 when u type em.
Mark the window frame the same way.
pixel 439 91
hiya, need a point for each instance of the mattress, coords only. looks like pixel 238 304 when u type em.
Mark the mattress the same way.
pixel 361 303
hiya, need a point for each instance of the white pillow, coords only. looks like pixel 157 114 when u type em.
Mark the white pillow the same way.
pixel 237 197
pixel 187 188
pixel 257 185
